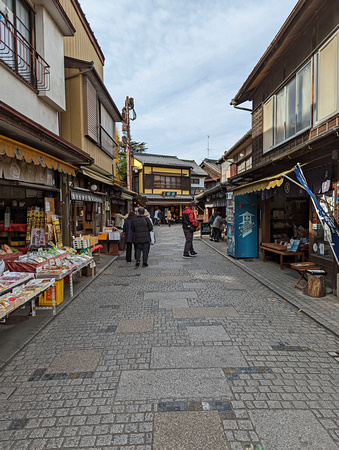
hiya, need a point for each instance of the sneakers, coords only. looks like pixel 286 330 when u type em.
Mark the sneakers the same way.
pixel 145 265
pixel 194 254
pixel 137 263
pixel 186 255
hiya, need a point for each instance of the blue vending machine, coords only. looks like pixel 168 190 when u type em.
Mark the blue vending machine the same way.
pixel 242 232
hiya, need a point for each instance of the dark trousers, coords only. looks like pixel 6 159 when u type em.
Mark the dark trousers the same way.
pixel 189 241
pixel 144 248
pixel 216 234
pixel 129 247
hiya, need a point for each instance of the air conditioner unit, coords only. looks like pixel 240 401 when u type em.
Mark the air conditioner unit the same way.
pixel 5 12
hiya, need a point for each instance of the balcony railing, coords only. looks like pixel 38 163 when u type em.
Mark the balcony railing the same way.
pixel 18 54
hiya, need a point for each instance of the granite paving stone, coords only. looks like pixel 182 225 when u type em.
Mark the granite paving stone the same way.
pixel 204 312
pixel 208 334
pixel 188 430
pixel 135 326
pixel 195 357
pixel 172 383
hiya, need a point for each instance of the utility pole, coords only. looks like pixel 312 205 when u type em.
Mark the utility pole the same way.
pixel 129 105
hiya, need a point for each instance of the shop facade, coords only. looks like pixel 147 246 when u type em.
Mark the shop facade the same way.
pixel 295 121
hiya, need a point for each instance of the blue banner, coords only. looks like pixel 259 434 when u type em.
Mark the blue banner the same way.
pixel 325 219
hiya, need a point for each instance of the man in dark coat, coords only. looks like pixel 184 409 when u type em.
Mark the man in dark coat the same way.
pixel 141 227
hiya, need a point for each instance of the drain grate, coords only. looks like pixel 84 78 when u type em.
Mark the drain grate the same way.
pixel 18 424
pixel 232 373
pixel 224 408
pixel 13 320
pixel 290 348
pixel 41 375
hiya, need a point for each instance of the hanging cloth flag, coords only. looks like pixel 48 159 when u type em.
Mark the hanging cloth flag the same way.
pixel 325 220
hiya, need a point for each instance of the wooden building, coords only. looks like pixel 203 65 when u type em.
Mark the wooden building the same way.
pixel 295 119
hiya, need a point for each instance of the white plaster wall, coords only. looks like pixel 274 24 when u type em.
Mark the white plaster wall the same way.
pixel 50 45
pixel 19 96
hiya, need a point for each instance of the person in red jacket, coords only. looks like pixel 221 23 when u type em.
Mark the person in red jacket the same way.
pixel 189 225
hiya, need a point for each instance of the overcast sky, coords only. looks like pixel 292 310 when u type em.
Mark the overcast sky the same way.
pixel 183 61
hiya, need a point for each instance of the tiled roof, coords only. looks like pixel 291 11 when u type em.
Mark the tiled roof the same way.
pixel 213 163
pixel 160 160
pixel 196 169
pixel 160 197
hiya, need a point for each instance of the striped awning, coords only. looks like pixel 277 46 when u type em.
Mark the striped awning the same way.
pixel 260 185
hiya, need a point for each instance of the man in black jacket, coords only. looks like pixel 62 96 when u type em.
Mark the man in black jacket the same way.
pixel 141 227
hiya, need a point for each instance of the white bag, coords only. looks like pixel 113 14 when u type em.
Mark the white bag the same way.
pixel 152 237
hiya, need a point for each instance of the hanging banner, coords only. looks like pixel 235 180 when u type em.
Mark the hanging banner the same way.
pixel 326 221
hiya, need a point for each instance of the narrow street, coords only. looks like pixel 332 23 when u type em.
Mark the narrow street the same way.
pixel 184 354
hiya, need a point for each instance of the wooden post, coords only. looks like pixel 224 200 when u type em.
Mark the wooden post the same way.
pixel 316 285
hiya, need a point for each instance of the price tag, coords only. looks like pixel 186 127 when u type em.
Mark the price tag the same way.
pixel 38 269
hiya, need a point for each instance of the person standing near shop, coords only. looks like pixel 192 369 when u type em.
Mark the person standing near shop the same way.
pixel 129 236
pixel 216 225
pixel 189 225
pixel 210 222
pixel 118 218
pixel 141 227
pixel 169 218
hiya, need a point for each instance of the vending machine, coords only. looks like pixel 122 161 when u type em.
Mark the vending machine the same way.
pixel 242 225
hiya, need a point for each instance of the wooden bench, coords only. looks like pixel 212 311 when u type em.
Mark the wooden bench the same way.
pixel 282 253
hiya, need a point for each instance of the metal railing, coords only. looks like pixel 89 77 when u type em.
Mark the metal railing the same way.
pixel 19 55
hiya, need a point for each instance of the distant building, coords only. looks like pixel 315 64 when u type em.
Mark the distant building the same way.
pixel 164 180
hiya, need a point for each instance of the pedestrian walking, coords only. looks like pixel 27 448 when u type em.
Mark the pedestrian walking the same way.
pixel 189 225
pixel 129 236
pixel 169 218
pixel 210 222
pixel 216 225
pixel 157 217
pixel 141 227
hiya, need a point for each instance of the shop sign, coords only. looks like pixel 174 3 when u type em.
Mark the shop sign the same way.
pixel 85 197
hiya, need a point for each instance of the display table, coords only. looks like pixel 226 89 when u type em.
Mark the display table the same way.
pixel 11 280
pixel 18 266
pixel 20 299
pixel 281 251
pixel 9 257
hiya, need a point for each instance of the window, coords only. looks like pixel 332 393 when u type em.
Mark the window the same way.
pixel 289 111
pixel 195 181
pixel 268 125
pixel 166 182
pixel 100 125
pixel 326 80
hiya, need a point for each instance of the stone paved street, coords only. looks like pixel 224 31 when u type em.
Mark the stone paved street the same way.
pixel 184 354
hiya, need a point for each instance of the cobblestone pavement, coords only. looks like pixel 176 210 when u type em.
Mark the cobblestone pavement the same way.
pixel 183 354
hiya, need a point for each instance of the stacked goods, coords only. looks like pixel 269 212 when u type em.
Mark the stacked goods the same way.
pixel 57 232
pixel 35 219
pixel 46 299
pixel 92 239
pixel 81 242
pixel 103 236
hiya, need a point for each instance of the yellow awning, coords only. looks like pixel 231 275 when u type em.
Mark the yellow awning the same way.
pixel 260 185
pixel 14 149
pixel 97 176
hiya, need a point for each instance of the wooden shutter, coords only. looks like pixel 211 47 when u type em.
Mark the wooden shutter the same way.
pixel 92 111
pixel 148 181
pixel 186 183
